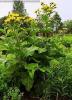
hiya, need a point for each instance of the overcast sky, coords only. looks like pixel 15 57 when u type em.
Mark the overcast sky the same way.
pixel 64 7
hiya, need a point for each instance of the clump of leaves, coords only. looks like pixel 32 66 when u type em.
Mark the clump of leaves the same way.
pixel 21 55
pixel 12 94
pixel 58 83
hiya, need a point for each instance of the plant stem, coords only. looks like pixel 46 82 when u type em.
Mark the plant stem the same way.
pixel 57 96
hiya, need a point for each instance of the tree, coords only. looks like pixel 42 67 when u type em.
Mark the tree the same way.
pixel 18 7
pixel 68 25
pixel 1 24
pixel 2 21
pixel 56 22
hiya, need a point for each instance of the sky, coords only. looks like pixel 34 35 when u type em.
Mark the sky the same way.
pixel 64 8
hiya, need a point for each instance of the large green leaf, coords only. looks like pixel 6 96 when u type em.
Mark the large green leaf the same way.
pixel 3 46
pixel 41 50
pixel 31 69
pixel 43 69
pixel 28 78
pixel 31 66
pixel 30 51
pixel 27 81
pixel 10 57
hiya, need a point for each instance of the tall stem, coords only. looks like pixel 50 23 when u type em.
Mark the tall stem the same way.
pixel 57 96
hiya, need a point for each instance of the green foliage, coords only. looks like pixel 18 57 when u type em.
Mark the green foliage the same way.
pixel 58 84
pixel 35 62
pixel 56 22
pixel 2 21
pixel 68 26
pixel 20 53
pixel 18 7
pixel 44 18
pixel 12 94
pixel 39 66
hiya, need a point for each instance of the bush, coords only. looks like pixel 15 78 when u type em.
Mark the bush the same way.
pixel 58 83
pixel 36 63
pixel 20 56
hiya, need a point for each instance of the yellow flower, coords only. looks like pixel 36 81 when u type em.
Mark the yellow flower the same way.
pixel 30 19
pixel 45 7
pixel 13 14
pixel 17 18
pixel 7 20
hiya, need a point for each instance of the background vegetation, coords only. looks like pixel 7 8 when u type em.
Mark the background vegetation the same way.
pixel 35 55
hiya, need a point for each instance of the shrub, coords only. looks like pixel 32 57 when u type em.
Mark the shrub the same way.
pixel 21 57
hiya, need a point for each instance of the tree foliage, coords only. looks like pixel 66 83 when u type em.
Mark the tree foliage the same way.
pixel 68 26
pixel 56 22
pixel 18 7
